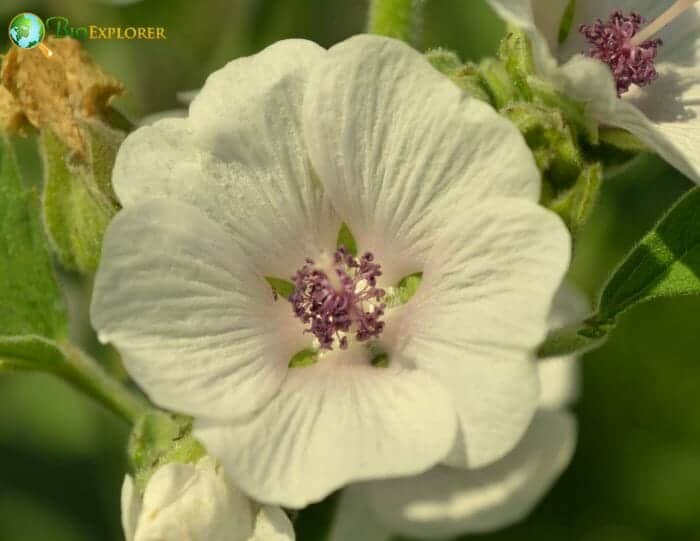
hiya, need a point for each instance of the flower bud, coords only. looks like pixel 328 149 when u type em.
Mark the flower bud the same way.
pixel 197 502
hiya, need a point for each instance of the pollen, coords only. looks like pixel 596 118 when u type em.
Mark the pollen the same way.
pixel 611 42
pixel 339 299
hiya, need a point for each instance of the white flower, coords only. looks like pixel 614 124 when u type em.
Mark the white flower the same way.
pixel 278 151
pixel 196 502
pixel 446 502
pixel 665 115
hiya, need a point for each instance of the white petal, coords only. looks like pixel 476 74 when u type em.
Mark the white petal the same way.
pixel 480 312
pixel 398 147
pixel 446 502
pixel 188 502
pixel 560 377
pixel 272 524
pixel 240 158
pixel 354 520
pixel 198 328
pixel 187 96
pixel 332 423
pixel 160 115
pixel 131 508
pixel 591 82
pixel 560 381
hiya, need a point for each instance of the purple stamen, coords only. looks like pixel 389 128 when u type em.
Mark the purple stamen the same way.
pixel 334 308
pixel 611 43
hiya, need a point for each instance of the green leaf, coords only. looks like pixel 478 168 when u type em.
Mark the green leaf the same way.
pixel 29 353
pixel 575 338
pixel 78 198
pixel 30 300
pixel 666 263
pixel 567 21
pixel 345 238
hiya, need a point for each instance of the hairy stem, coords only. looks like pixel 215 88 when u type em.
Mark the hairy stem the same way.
pixel 398 19
pixel 86 374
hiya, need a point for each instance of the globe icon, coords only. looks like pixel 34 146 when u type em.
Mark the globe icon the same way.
pixel 27 30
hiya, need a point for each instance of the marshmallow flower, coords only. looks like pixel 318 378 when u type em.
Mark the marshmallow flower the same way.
pixel 664 114
pixel 196 502
pixel 446 502
pixel 342 381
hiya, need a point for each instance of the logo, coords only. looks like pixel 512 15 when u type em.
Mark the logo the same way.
pixel 28 31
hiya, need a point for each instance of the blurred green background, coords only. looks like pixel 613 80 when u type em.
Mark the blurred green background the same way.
pixel 636 473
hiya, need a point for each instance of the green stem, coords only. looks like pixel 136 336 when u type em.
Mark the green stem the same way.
pixel 398 19
pixel 577 338
pixel 86 374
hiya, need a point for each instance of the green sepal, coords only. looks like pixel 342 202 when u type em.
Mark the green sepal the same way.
pixel 31 301
pixel 159 438
pixel 552 142
pixel 576 205
pixel 443 60
pixel 408 285
pixel 305 357
pixel 78 200
pixel 497 83
pixel 465 75
pixel 622 140
pixel 345 238
pixel 380 361
pixel 666 263
pixel 515 52
pixel 403 291
pixel 283 288
pixel 574 112
pixel 567 21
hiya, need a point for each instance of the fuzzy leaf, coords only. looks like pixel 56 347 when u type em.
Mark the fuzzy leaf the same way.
pixel 666 263
pixel 30 352
pixel 30 300
pixel 78 197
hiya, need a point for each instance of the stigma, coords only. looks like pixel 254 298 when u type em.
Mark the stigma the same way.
pixel 612 42
pixel 339 299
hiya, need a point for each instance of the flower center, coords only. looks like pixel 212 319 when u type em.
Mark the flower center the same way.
pixel 611 42
pixel 339 298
